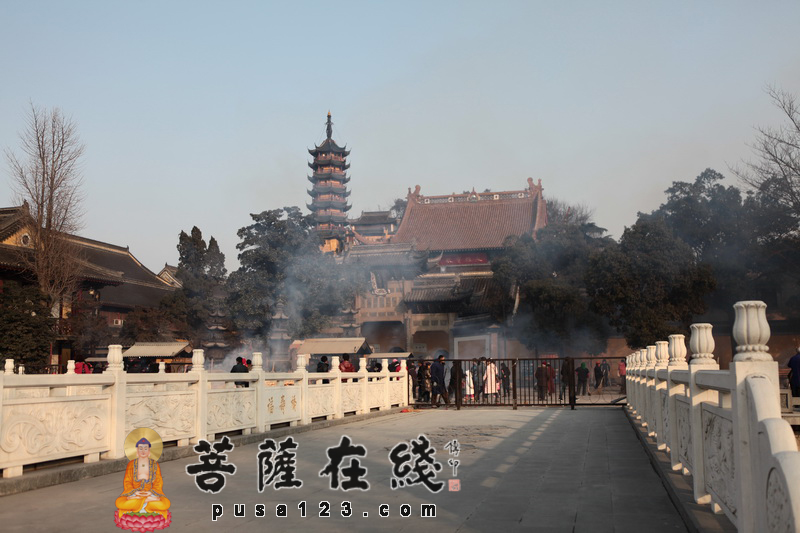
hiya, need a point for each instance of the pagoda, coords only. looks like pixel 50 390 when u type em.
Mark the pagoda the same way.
pixel 329 192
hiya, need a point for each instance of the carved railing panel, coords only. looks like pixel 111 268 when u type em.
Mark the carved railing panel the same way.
pixel 231 410
pixel 52 429
pixel 719 459
pixel 171 415
pixel 684 432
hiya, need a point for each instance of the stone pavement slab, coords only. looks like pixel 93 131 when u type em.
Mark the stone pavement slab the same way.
pixel 526 470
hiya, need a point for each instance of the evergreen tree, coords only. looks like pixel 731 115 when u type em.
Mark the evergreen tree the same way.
pixel 281 260
pixel 26 329
pixel 542 287
pixel 201 271
pixel 650 285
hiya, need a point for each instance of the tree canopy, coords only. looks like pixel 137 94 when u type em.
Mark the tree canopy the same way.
pixel 201 271
pixel 281 260
pixel 26 329
pixel 542 285
pixel 649 285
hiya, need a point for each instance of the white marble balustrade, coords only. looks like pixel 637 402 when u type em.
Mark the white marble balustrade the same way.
pixel 49 417
pixel 722 427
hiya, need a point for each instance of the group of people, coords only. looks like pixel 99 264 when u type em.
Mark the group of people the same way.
pixel 479 380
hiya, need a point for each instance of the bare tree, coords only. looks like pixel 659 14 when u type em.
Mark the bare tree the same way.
pixel 560 212
pixel 775 171
pixel 47 179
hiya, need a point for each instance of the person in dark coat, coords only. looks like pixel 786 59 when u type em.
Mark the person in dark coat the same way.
pixel 505 378
pixel 583 379
pixel 412 375
pixel 437 382
pixel 564 377
pixel 794 374
pixel 598 375
pixel 477 378
pixel 324 366
pixel 542 376
pixel 240 367
pixel 424 377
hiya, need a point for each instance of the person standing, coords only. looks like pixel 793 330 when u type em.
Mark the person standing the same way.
pixel 346 366
pixel 505 378
pixel 240 368
pixel 324 366
pixel 437 382
pixel 564 377
pixel 477 379
pixel 412 375
pixel 622 373
pixel 424 377
pixel 606 368
pixel 598 376
pixel 490 384
pixel 541 375
pixel 794 373
pixel 583 380
pixel 469 385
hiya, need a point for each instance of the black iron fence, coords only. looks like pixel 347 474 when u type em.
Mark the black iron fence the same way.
pixel 522 382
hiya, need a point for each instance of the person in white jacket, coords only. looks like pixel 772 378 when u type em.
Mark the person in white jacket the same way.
pixel 490 381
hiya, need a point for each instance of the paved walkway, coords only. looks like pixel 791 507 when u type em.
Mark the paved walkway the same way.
pixel 529 470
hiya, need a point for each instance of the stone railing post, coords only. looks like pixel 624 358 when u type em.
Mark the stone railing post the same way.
pixel 751 333
pixel 9 367
pixel 302 364
pixel 337 387
pixel 162 367
pixel 677 361
pixel 662 360
pixel 649 390
pixel 405 381
pixel 636 365
pixel 363 389
pixel 385 384
pixel 701 343
pixel 70 367
pixel 201 392
pixel 641 389
pixel 118 401
pixel 261 392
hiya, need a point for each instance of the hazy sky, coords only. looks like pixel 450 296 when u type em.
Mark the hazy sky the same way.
pixel 200 113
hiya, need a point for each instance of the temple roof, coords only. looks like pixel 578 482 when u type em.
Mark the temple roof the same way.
pixel 466 293
pixel 472 221
pixel 386 255
pixel 128 282
pixel 329 146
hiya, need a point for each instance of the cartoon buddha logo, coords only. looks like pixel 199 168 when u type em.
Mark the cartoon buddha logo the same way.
pixel 142 506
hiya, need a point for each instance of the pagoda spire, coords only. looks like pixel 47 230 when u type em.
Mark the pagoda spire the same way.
pixel 329 126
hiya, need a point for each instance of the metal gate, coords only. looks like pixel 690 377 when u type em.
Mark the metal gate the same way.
pixel 525 382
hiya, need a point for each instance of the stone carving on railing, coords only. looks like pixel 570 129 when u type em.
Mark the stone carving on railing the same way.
pixel 720 464
pixel 723 427
pixel 231 410
pixel 684 433
pixel 172 414
pixel 52 429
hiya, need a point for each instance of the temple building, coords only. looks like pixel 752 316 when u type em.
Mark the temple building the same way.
pixel 431 280
pixel 108 275
pixel 329 191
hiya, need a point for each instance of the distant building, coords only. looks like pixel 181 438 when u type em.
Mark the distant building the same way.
pixel 430 280
pixel 110 275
